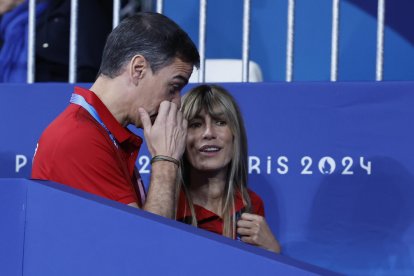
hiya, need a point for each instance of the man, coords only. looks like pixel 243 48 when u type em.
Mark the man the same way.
pixel 146 62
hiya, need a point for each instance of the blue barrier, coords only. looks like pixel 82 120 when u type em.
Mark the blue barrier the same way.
pixel 333 162
pixel 69 232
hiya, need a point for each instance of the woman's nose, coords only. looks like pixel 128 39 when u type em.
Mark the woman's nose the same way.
pixel 209 132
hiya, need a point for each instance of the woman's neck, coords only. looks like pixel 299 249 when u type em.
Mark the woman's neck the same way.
pixel 207 189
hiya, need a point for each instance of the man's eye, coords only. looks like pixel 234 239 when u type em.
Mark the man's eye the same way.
pixel 175 88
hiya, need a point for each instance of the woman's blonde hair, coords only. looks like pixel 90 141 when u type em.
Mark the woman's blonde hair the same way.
pixel 214 100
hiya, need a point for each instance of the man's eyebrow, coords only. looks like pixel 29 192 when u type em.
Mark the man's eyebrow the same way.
pixel 182 78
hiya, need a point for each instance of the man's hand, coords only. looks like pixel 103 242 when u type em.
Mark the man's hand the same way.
pixel 255 230
pixel 168 133
pixel 165 137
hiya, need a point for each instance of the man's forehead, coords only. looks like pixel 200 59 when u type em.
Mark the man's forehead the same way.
pixel 181 70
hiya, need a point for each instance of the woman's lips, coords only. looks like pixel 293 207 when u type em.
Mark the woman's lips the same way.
pixel 209 148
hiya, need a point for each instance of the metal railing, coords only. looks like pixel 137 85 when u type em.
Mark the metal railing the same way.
pixel 334 41
pixel 202 38
pixel 31 42
pixel 73 40
pixel 289 40
pixel 380 40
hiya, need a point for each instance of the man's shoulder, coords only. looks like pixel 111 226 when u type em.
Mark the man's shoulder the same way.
pixel 74 131
pixel 72 123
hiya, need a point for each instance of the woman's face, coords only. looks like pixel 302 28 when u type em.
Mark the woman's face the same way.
pixel 209 142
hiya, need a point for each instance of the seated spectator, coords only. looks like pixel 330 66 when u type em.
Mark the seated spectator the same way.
pixel 52 38
pixel 14 39
pixel 213 193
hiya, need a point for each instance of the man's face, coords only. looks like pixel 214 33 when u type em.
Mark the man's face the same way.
pixel 164 85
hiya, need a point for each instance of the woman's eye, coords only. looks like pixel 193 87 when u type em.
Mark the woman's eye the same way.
pixel 221 123
pixel 194 125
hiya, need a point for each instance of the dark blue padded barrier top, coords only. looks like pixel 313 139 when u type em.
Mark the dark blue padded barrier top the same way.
pixel 56 230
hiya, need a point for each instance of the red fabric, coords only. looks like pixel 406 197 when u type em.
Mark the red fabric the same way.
pixel 210 221
pixel 77 151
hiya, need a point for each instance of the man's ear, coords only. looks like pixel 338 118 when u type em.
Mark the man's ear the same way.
pixel 138 68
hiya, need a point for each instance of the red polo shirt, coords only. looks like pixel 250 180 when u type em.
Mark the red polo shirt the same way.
pixel 77 151
pixel 209 220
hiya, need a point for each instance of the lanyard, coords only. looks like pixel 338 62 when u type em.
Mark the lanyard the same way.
pixel 79 100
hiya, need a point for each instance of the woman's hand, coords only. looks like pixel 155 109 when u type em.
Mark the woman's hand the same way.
pixel 255 230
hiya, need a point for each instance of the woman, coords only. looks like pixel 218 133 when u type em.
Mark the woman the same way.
pixel 213 192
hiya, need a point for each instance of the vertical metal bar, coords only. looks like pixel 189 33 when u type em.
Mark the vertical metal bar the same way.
pixel 334 41
pixel 160 6
pixel 246 41
pixel 202 40
pixel 73 40
pixel 31 42
pixel 380 40
pixel 115 13
pixel 290 37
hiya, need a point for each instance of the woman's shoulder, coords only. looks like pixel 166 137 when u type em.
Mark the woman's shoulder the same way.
pixel 254 196
pixel 257 203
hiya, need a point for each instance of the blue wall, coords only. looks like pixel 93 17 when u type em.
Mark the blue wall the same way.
pixel 333 162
